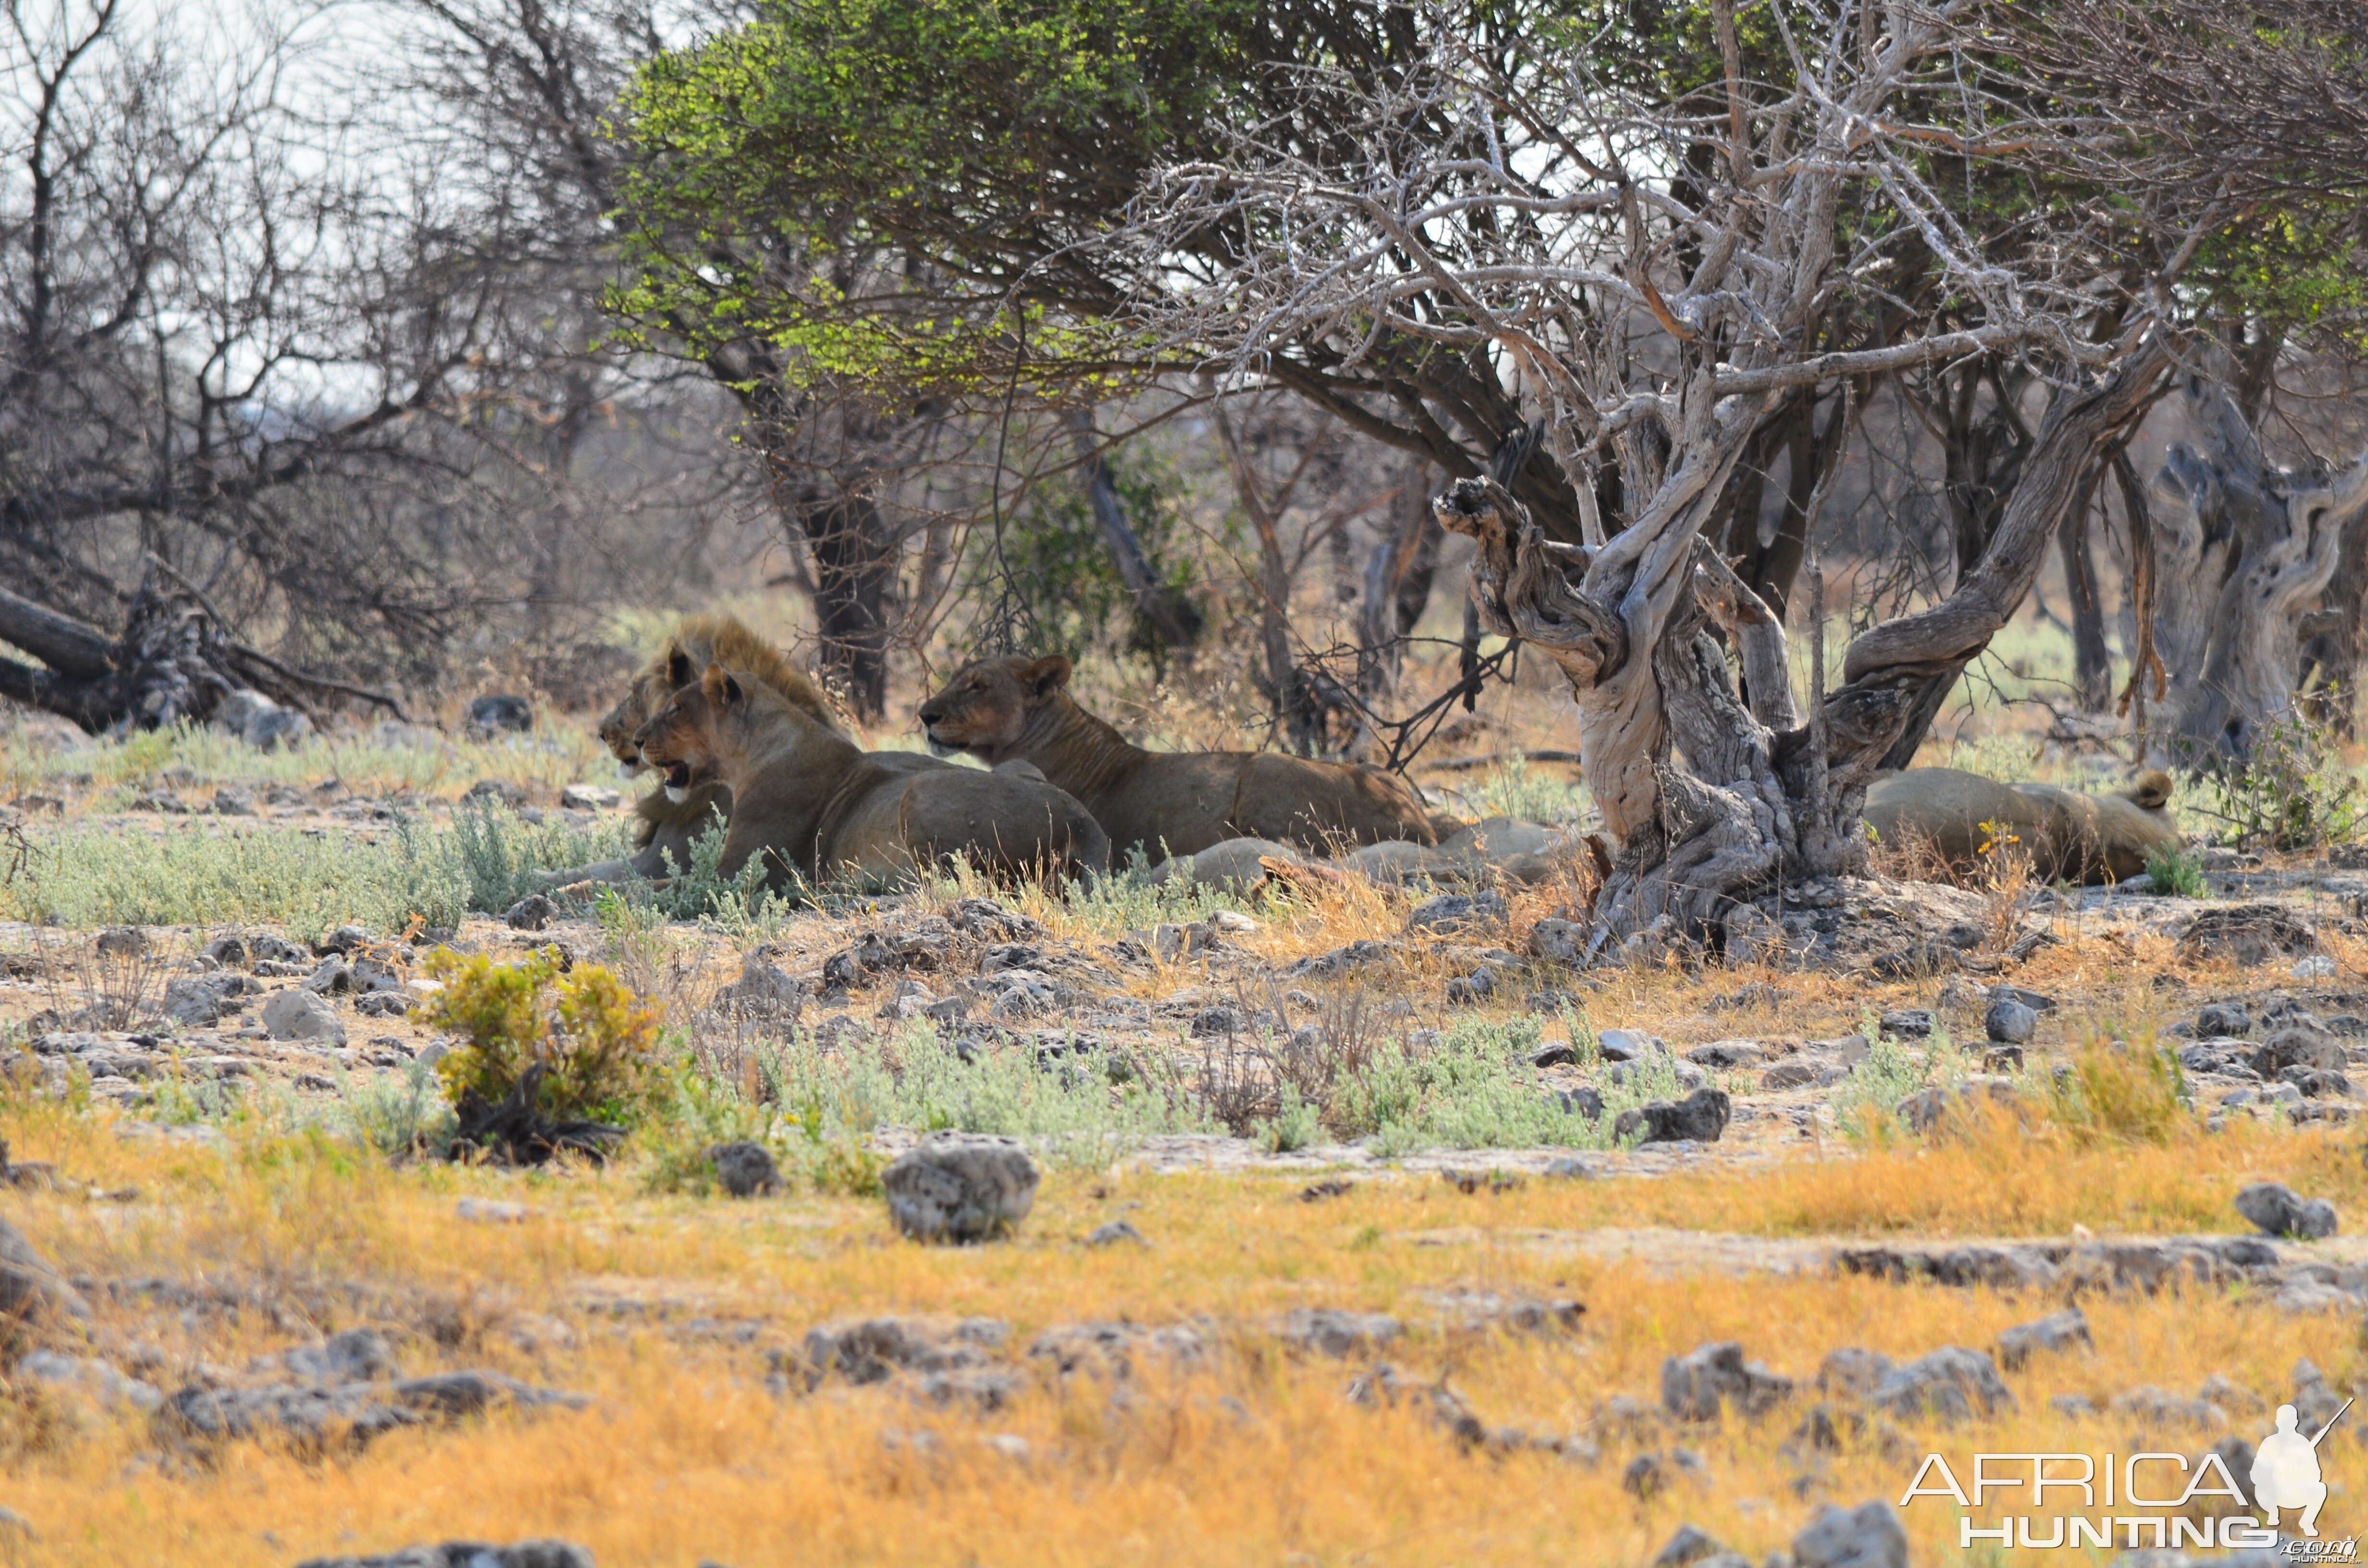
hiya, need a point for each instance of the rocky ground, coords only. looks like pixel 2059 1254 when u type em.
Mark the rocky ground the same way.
pixel 1910 1185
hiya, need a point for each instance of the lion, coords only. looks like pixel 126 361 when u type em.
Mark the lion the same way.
pixel 1165 804
pixel 668 826
pixel 817 809
pixel 2070 835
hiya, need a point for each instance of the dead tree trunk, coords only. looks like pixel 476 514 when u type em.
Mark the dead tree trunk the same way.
pixel 2093 658
pixel 1397 588
pixel 1174 618
pixel 1756 802
pixel 2251 548
pixel 173 662
pixel 2331 636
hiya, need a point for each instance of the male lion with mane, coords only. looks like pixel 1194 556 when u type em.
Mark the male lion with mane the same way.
pixel 1165 804
pixel 817 808
pixel 670 826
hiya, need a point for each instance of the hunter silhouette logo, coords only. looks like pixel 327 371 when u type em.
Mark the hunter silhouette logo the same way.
pixel 2285 1471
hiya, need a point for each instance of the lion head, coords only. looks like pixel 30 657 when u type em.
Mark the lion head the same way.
pixel 986 704
pixel 680 739
pixel 699 641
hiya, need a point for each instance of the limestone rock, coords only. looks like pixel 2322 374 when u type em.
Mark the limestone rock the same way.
pixel 299 1014
pixel 1868 1535
pixel 1697 1386
pixel 1948 1384
pixel 2279 1211
pixel 746 1169
pixel 2057 1332
pixel 960 1187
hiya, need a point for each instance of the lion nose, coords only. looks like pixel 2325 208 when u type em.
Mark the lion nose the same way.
pixel 930 713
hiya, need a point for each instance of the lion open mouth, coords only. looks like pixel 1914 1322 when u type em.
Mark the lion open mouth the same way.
pixel 678 780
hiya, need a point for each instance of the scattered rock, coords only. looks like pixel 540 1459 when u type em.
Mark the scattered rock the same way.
pixel 199 1001
pixel 122 943
pixel 1115 1231
pixel 2002 1059
pixel 299 1014
pixel 763 990
pixel 355 1414
pixel 532 912
pixel 499 791
pixel 588 798
pixel 502 713
pixel 1948 1384
pixel 1699 1117
pixel 468 1554
pixel 1852 1371
pixel 1907 1023
pixel 1696 1387
pixel 344 940
pixel 870 1350
pixel 1688 1547
pixel 91 1378
pixel 960 1187
pixel 1328 1331
pixel 2009 1022
pixel 2318 966
pixel 2279 1211
pixel 1448 913
pixel 1868 1535
pixel 2247 933
pixel 2223 1018
pixel 2155 1408
pixel 1625 1045
pixel 746 1169
pixel 1558 941
pixel 2298 1044
pixel 2057 1332
pixel 1110 1349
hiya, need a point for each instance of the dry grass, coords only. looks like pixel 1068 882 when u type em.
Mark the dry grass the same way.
pixel 687 1458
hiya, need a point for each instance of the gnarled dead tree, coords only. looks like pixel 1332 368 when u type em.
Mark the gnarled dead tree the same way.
pixel 1760 798
pixel 2244 550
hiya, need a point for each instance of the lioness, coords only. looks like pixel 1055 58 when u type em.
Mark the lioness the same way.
pixel 2070 835
pixel 1165 802
pixel 818 809
pixel 668 825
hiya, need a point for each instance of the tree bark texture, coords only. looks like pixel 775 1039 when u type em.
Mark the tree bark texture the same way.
pixel 2248 551
pixel 1711 804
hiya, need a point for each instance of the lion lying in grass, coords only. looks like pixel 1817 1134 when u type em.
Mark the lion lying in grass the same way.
pixel 817 809
pixel 1165 802
pixel 2070 836
pixel 668 825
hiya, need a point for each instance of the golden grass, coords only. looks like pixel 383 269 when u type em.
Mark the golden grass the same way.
pixel 686 1457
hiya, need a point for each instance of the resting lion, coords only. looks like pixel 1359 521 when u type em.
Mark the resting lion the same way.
pixel 1165 802
pixel 816 808
pixel 668 826
pixel 2070 836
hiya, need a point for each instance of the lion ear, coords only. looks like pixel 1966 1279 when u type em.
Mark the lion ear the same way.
pixel 2151 791
pixel 720 688
pixel 1046 675
pixel 680 672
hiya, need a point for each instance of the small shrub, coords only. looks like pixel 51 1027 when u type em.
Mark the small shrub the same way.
pixel 598 1042
pixel 2174 872
pixel 1295 1125
pixel 398 1116
pixel 2290 793
pixel 2133 1092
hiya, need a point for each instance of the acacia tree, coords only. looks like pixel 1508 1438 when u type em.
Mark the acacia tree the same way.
pixel 1655 322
